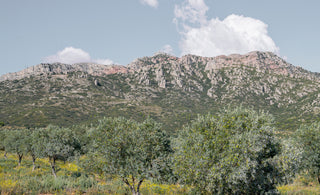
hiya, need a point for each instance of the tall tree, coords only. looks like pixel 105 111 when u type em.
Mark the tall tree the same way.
pixel 55 143
pixel 134 151
pixel 231 153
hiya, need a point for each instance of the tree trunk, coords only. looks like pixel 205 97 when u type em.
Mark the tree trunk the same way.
pixel 20 159
pixel 133 190
pixel 132 187
pixel 53 163
pixel 33 162
pixel 5 155
pixel 138 187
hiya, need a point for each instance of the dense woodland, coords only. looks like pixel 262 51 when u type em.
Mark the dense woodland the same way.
pixel 236 151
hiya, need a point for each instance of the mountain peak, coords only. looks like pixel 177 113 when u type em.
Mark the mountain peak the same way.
pixel 166 87
pixel 60 68
pixel 261 61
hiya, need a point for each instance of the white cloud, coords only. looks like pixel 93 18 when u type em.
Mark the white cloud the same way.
pixel 234 34
pixel 193 11
pixel 167 49
pixel 152 3
pixel 70 55
pixel 103 61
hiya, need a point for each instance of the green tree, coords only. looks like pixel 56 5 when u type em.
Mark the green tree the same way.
pixel 134 151
pixel 81 132
pixel 289 161
pixel 308 138
pixel 15 142
pixel 231 153
pixel 55 143
pixel 3 134
pixel 30 148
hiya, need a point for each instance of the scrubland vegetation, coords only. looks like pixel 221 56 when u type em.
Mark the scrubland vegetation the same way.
pixel 234 152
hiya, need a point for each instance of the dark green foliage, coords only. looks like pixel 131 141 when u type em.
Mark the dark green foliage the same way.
pixel 2 138
pixel 231 153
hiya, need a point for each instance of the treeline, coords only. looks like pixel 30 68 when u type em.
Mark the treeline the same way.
pixel 233 152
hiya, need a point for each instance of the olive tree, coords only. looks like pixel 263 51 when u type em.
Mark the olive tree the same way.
pixel 289 161
pixel 15 142
pixel 308 138
pixel 134 151
pixel 29 147
pixel 3 134
pixel 55 143
pixel 231 153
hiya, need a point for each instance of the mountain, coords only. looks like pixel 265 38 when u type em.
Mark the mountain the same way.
pixel 170 89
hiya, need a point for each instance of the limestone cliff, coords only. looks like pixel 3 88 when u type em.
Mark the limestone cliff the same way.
pixel 171 89
pixel 59 68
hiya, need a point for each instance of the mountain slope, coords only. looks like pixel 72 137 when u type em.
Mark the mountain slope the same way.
pixel 170 89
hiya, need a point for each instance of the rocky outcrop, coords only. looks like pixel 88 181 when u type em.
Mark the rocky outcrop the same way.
pixel 188 64
pixel 164 86
pixel 58 68
pixel 165 67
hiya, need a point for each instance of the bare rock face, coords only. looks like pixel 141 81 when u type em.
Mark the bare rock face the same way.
pixel 164 85
pixel 165 67
pixel 263 61
pixel 58 68
pixel 169 70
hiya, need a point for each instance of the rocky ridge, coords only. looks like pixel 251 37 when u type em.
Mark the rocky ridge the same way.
pixel 59 68
pixel 262 61
pixel 170 89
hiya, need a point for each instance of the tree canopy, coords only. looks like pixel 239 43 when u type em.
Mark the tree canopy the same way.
pixel 55 143
pixel 16 142
pixel 231 153
pixel 134 151
pixel 308 138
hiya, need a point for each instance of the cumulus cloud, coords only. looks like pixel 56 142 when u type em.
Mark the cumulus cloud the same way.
pixel 152 3
pixel 234 34
pixel 193 11
pixel 103 61
pixel 167 49
pixel 70 55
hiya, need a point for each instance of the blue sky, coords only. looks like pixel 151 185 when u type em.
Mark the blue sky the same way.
pixel 119 31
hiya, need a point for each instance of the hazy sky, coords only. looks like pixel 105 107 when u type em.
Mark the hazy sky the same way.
pixel 118 31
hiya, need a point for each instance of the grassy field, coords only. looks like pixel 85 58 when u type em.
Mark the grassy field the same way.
pixel 73 180
pixel 303 184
